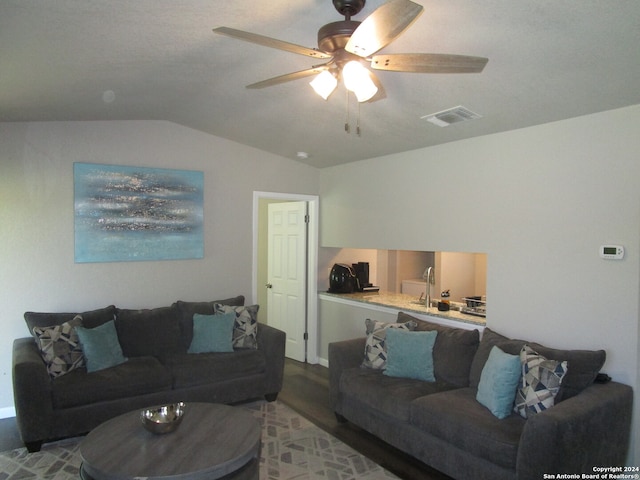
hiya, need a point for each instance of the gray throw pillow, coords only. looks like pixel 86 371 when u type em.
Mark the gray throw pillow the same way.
pixel 149 332
pixel 90 319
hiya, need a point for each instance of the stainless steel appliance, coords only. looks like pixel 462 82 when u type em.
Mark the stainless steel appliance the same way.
pixel 475 306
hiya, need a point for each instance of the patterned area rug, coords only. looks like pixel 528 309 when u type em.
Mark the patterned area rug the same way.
pixel 292 449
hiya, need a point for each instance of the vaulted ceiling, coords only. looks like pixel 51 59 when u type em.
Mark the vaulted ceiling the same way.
pixel 159 60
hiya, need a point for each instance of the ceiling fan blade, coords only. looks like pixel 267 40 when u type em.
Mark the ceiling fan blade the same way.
pixel 289 77
pixel 270 42
pixel 428 63
pixel 381 27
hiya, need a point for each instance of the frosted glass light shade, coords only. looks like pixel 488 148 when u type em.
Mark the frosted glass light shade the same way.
pixel 358 80
pixel 324 84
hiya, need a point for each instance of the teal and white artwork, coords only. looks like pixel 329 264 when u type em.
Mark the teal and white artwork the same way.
pixel 127 214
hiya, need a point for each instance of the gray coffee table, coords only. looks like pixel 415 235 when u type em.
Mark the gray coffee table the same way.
pixel 213 441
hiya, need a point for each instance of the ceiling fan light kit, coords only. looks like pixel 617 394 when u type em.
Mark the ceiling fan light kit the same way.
pixel 324 84
pixel 357 79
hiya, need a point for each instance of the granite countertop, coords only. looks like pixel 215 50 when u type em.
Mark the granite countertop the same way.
pixel 405 303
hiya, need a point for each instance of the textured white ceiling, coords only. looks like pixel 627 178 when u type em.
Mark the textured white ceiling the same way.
pixel 548 60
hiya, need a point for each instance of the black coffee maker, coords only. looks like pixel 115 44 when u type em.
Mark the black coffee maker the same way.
pixel 342 279
pixel 361 270
pixel 348 279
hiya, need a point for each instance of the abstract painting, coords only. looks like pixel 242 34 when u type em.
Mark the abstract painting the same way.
pixel 127 214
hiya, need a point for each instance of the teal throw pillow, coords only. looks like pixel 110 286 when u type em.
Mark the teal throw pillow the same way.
pixel 212 333
pixel 410 354
pixel 499 381
pixel 100 346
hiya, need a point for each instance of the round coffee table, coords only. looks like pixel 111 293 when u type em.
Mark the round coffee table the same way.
pixel 213 441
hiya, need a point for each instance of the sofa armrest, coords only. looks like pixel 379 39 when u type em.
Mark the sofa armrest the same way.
pixel 343 355
pixel 272 342
pixel 587 430
pixel 31 391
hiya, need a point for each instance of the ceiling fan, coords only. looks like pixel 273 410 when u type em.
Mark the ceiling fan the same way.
pixel 347 44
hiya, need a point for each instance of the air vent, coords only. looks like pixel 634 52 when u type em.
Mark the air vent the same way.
pixel 453 115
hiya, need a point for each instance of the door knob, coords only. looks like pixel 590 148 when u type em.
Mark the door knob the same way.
pixel 268 285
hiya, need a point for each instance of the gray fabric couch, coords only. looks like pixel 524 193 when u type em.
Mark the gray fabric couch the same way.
pixel 158 370
pixel 442 424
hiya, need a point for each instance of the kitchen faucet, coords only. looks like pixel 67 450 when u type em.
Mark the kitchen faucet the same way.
pixel 430 279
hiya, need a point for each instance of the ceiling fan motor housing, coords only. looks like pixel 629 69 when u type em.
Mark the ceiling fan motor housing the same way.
pixel 334 36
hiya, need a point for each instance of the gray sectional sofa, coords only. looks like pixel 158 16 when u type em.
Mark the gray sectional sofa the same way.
pixel 443 424
pixel 158 368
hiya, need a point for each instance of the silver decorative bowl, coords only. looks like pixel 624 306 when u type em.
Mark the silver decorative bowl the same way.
pixel 163 418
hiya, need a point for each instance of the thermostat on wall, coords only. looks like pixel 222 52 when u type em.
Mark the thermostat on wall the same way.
pixel 612 252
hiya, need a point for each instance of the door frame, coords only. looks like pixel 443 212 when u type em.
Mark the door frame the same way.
pixel 313 202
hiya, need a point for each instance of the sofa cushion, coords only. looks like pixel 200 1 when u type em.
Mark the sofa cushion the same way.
pixel 410 354
pixel 90 319
pixel 488 341
pixel 582 365
pixel 186 310
pixel 499 381
pixel 457 418
pixel 137 376
pixel 453 351
pixel 212 333
pixel 245 328
pixel 390 395
pixel 60 347
pixel 100 347
pixel 190 370
pixel 540 383
pixel 154 332
pixel 375 349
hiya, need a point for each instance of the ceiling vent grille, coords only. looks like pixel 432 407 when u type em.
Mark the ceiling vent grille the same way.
pixel 452 115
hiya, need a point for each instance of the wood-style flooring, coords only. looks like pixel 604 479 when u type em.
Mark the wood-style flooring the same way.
pixel 306 390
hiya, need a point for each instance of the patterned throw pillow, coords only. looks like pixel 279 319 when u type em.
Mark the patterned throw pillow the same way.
pixel 375 350
pixel 60 347
pixel 245 328
pixel 541 380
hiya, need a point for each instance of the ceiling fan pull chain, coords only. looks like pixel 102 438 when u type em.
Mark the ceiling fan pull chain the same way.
pixel 358 121
pixel 347 128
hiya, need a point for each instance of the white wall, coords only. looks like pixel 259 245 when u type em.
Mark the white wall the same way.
pixel 539 201
pixel 37 269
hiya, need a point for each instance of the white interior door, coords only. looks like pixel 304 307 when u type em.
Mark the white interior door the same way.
pixel 287 276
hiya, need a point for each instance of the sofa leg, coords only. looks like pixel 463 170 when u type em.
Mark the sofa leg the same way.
pixel 271 397
pixel 33 447
pixel 340 418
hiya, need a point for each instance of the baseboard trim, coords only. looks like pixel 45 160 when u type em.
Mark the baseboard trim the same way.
pixel 7 412
pixel 323 361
